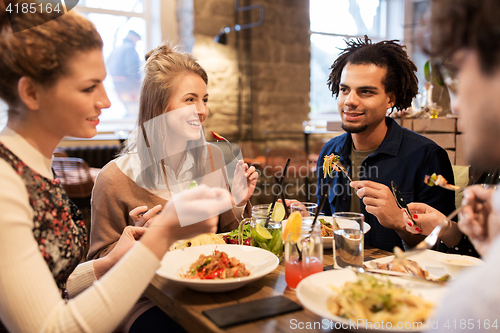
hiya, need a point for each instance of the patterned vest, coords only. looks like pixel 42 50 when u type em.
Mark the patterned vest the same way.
pixel 59 228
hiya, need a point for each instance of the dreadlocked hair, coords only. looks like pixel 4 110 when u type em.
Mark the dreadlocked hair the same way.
pixel 401 79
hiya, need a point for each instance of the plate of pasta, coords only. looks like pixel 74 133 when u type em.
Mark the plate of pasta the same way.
pixel 366 302
pixel 217 267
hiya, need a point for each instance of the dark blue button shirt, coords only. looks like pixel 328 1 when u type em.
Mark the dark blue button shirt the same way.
pixel 404 157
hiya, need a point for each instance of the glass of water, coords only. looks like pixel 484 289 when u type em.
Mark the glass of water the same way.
pixel 348 241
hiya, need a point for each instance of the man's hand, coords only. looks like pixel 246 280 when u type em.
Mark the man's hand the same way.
pixel 380 202
pixel 478 220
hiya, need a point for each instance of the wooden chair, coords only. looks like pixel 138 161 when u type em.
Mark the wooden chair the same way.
pixel 276 159
pixel 250 154
pixel 314 155
pixel 59 152
pixel 298 170
pixel 75 176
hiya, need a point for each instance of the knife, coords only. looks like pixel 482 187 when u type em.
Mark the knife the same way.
pixel 400 201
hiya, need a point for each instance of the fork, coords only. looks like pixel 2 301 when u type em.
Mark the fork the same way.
pixel 432 238
pixel 363 270
pixel 219 137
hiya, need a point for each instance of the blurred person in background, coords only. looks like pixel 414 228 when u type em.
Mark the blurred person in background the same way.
pixel 465 34
pixel 124 66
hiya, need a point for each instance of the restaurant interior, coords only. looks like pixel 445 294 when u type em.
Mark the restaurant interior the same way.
pixel 268 63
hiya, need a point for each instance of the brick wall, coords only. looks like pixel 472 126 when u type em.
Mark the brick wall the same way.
pixel 259 82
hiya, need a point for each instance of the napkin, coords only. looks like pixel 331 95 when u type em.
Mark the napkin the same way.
pixel 250 311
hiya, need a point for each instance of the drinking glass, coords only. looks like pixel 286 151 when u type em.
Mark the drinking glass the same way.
pixel 265 232
pixel 348 241
pixel 306 209
pixel 303 253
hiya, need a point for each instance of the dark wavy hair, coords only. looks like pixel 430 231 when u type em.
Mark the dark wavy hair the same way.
pixel 400 78
pixel 465 24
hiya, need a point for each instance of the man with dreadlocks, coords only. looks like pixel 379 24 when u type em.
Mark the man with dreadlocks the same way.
pixel 368 79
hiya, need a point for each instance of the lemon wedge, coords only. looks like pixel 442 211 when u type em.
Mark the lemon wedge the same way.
pixel 293 226
pixel 262 234
pixel 278 213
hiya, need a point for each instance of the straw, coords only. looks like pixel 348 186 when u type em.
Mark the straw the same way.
pixel 276 196
pixel 282 196
pixel 320 207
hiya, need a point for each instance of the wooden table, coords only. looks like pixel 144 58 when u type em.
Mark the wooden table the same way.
pixel 185 305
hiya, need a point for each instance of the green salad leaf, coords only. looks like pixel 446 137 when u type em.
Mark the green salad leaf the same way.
pixel 192 184
pixel 246 232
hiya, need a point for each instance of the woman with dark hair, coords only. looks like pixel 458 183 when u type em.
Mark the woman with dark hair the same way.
pixel 52 72
pixel 166 154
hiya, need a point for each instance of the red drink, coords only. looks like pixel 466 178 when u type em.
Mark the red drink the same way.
pixel 294 272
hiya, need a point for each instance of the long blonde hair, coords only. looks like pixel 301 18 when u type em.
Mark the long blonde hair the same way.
pixel 163 70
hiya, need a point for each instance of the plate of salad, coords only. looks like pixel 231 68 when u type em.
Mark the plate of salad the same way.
pixel 204 268
pixel 232 237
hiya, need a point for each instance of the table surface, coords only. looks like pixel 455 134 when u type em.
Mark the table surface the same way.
pixel 186 306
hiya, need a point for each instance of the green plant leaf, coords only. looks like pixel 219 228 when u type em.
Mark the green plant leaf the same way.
pixel 437 76
pixel 427 71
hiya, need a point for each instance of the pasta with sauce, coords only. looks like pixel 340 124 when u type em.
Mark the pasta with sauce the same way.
pixel 376 300
pixel 217 265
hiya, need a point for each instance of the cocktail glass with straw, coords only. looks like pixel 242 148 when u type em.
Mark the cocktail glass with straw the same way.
pixel 265 232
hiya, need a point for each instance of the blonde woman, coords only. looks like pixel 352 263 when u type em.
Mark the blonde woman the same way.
pixel 163 157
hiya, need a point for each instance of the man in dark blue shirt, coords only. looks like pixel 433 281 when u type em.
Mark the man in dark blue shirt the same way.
pixel 369 79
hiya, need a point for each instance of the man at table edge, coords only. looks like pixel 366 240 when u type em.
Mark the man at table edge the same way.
pixel 466 33
pixel 368 79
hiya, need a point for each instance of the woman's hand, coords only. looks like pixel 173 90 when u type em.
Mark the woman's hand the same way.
pixel 289 202
pixel 425 217
pixel 128 238
pixel 188 214
pixel 244 182
pixel 142 217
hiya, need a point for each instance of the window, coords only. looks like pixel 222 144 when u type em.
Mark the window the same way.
pixel 333 22
pixel 129 28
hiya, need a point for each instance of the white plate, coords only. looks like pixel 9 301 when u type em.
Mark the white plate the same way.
pixel 426 259
pixel 258 261
pixel 328 241
pixel 455 264
pixel 314 290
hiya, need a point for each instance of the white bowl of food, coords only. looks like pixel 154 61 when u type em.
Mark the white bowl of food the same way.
pixel 176 266
pixel 328 231
pixel 455 263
